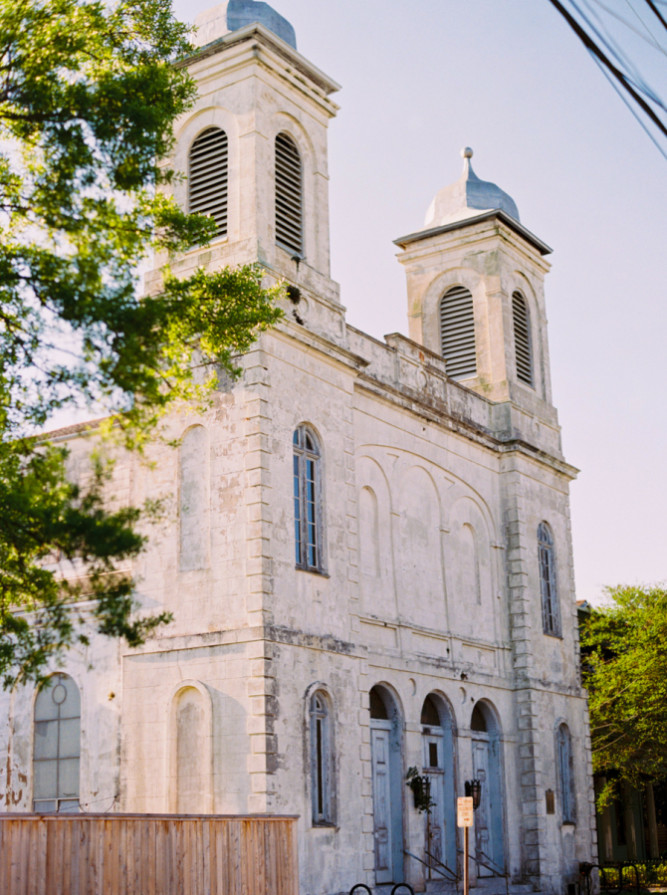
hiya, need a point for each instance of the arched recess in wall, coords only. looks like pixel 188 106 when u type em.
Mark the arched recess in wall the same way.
pixel 194 510
pixel 57 746
pixel 420 584
pixel 534 338
pixel 208 176
pixel 190 739
pixel 376 561
pixel 186 134
pixel 387 772
pixel 439 764
pixel 425 309
pixel 297 213
pixel 487 765
pixel 471 579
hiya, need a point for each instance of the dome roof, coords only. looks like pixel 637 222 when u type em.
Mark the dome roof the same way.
pixel 231 15
pixel 467 197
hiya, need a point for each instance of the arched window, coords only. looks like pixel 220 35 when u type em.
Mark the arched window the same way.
pixel 457 333
pixel 522 346
pixel 565 774
pixel 57 746
pixel 307 500
pixel 289 195
pixel 321 759
pixel 207 179
pixel 548 589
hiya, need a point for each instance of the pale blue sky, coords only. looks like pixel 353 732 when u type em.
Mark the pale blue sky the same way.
pixel 421 79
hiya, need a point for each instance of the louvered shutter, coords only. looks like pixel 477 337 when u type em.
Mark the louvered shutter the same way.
pixel 208 177
pixel 457 332
pixel 524 360
pixel 289 195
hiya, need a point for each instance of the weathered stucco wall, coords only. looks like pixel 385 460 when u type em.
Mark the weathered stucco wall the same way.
pixel 430 497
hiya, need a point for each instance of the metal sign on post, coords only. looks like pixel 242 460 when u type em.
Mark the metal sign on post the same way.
pixel 464 811
pixel 464 815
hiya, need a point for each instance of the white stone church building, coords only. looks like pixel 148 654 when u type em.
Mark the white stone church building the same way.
pixel 367 545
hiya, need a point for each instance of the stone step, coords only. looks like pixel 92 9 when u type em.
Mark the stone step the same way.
pixel 485 886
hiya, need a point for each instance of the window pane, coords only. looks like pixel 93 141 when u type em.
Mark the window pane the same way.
pixel 68 784
pixel 68 806
pixel 44 806
pixel 46 739
pixel 70 707
pixel 46 779
pixel 69 738
pixel 45 708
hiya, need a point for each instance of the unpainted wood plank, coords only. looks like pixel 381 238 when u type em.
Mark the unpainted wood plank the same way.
pixel 96 863
pixel 179 881
pixel 86 833
pixel 75 845
pixel 147 865
pixel 205 855
pixel 234 877
pixel 65 857
pixel 110 866
pixel 14 839
pixel 162 859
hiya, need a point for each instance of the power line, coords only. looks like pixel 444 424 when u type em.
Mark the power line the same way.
pixel 655 9
pixel 622 78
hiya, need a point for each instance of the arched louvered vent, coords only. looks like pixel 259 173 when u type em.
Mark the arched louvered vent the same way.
pixel 289 195
pixel 457 332
pixel 524 359
pixel 208 177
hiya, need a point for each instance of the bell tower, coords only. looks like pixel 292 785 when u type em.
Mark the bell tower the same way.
pixel 475 278
pixel 253 150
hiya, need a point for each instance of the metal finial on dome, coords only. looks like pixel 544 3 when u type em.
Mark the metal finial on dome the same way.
pixel 232 15
pixel 467 196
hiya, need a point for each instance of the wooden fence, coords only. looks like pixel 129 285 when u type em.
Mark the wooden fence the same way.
pixel 139 854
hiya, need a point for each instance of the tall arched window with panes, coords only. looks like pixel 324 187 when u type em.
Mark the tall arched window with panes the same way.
pixel 548 585
pixel 208 177
pixel 57 746
pixel 457 332
pixel 522 341
pixel 321 759
pixel 565 774
pixel 289 195
pixel 307 486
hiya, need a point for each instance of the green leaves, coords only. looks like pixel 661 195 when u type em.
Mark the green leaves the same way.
pixel 88 98
pixel 624 651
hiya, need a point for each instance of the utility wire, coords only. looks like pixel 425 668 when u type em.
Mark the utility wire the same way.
pixel 622 79
pixel 631 74
pixel 648 37
pixel 655 9
pixel 632 109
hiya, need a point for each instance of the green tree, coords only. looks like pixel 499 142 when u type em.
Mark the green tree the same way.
pixel 88 97
pixel 624 649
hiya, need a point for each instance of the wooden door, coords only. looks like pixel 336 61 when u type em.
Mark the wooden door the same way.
pixel 436 821
pixel 483 815
pixel 382 819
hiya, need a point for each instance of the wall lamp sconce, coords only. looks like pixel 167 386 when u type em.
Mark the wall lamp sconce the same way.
pixel 474 790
